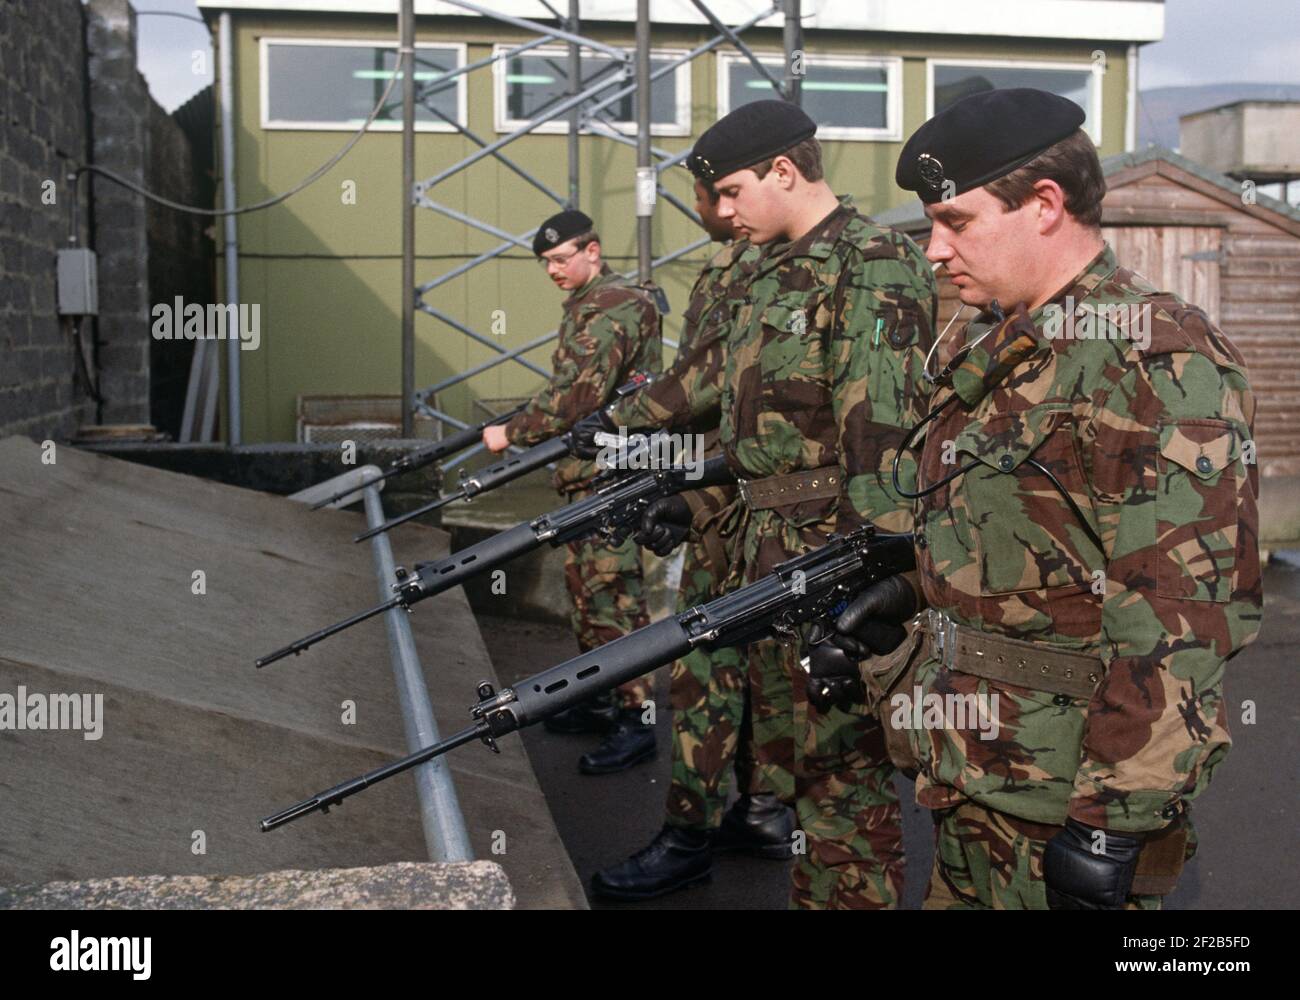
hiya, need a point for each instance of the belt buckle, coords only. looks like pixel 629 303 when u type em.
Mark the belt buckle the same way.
pixel 743 487
pixel 943 632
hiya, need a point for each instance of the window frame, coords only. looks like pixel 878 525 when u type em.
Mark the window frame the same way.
pixel 1095 83
pixel 502 124
pixel 893 66
pixel 279 124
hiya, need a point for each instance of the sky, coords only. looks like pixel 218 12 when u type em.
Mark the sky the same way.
pixel 1206 41
pixel 1224 41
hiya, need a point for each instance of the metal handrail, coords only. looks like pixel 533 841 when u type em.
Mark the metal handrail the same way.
pixel 440 814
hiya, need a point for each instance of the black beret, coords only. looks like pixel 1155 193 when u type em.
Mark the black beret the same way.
pixel 983 137
pixel 748 135
pixel 560 228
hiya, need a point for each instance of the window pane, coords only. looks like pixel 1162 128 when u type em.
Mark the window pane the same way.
pixel 952 83
pixel 833 96
pixel 537 83
pixel 334 84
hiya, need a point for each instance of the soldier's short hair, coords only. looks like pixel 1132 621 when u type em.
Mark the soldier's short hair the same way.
pixel 582 239
pixel 1073 164
pixel 806 155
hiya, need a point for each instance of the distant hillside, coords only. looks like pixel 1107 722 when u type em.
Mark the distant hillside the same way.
pixel 1161 107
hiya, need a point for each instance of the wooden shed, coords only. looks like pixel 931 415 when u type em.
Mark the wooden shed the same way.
pixel 1235 253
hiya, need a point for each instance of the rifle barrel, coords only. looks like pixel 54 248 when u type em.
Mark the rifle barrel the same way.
pixel 333 796
pixel 297 647
pixel 427 508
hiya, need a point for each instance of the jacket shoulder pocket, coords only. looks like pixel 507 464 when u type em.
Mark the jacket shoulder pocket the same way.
pixel 1197 497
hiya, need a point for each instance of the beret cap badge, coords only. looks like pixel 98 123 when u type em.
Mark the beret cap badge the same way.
pixel 558 228
pixel 930 169
pixel 701 167
pixel 982 137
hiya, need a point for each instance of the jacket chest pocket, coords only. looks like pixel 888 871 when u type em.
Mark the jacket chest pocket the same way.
pixel 1028 536
pixel 791 361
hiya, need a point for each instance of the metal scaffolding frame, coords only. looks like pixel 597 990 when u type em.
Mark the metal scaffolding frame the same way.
pixel 595 119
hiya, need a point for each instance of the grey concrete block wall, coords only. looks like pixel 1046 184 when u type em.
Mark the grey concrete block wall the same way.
pixel 119 106
pixel 42 130
pixel 70 93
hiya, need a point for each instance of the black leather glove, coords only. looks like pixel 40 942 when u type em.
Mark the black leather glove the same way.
pixel 664 525
pixel 872 625
pixel 582 435
pixel 833 677
pixel 1078 877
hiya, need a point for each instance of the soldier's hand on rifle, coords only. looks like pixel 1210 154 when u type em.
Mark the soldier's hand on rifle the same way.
pixel 833 676
pixel 1086 868
pixel 583 434
pixel 494 438
pixel 872 625
pixel 664 525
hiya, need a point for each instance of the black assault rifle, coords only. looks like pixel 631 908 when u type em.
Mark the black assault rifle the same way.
pixel 501 473
pixel 613 511
pixel 811 587
pixel 505 471
pixel 421 457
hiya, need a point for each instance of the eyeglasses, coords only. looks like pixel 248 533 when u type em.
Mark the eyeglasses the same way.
pixel 545 262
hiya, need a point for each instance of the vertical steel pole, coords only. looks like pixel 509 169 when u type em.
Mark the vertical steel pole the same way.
pixel 575 116
pixel 234 422
pixel 646 179
pixel 406 59
pixel 792 38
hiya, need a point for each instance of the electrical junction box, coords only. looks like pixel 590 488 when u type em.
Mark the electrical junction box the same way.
pixel 78 285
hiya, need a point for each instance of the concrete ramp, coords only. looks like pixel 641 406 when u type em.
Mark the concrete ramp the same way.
pixel 99 567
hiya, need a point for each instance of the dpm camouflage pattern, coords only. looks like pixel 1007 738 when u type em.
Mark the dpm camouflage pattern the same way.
pixel 992 861
pixel 610 331
pixel 707 692
pixel 608 591
pixel 823 368
pixel 686 398
pixel 1154 447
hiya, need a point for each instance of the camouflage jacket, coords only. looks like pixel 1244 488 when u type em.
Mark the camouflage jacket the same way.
pixel 823 368
pixel 610 332
pixel 686 398
pixel 1141 409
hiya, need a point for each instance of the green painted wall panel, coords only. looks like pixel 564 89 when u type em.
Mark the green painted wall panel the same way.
pixel 327 274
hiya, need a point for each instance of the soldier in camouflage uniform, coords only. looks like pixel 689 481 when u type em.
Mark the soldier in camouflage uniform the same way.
pixel 708 691
pixel 1086 534
pixel 823 373
pixel 610 332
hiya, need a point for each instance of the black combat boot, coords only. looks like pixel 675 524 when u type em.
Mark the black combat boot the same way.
pixel 631 742
pixel 595 715
pixel 678 856
pixel 760 825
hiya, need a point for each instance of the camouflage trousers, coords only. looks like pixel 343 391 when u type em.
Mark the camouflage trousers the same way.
pixel 709 694
pixel 841 780
pixel 986 860
pixel 608 594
